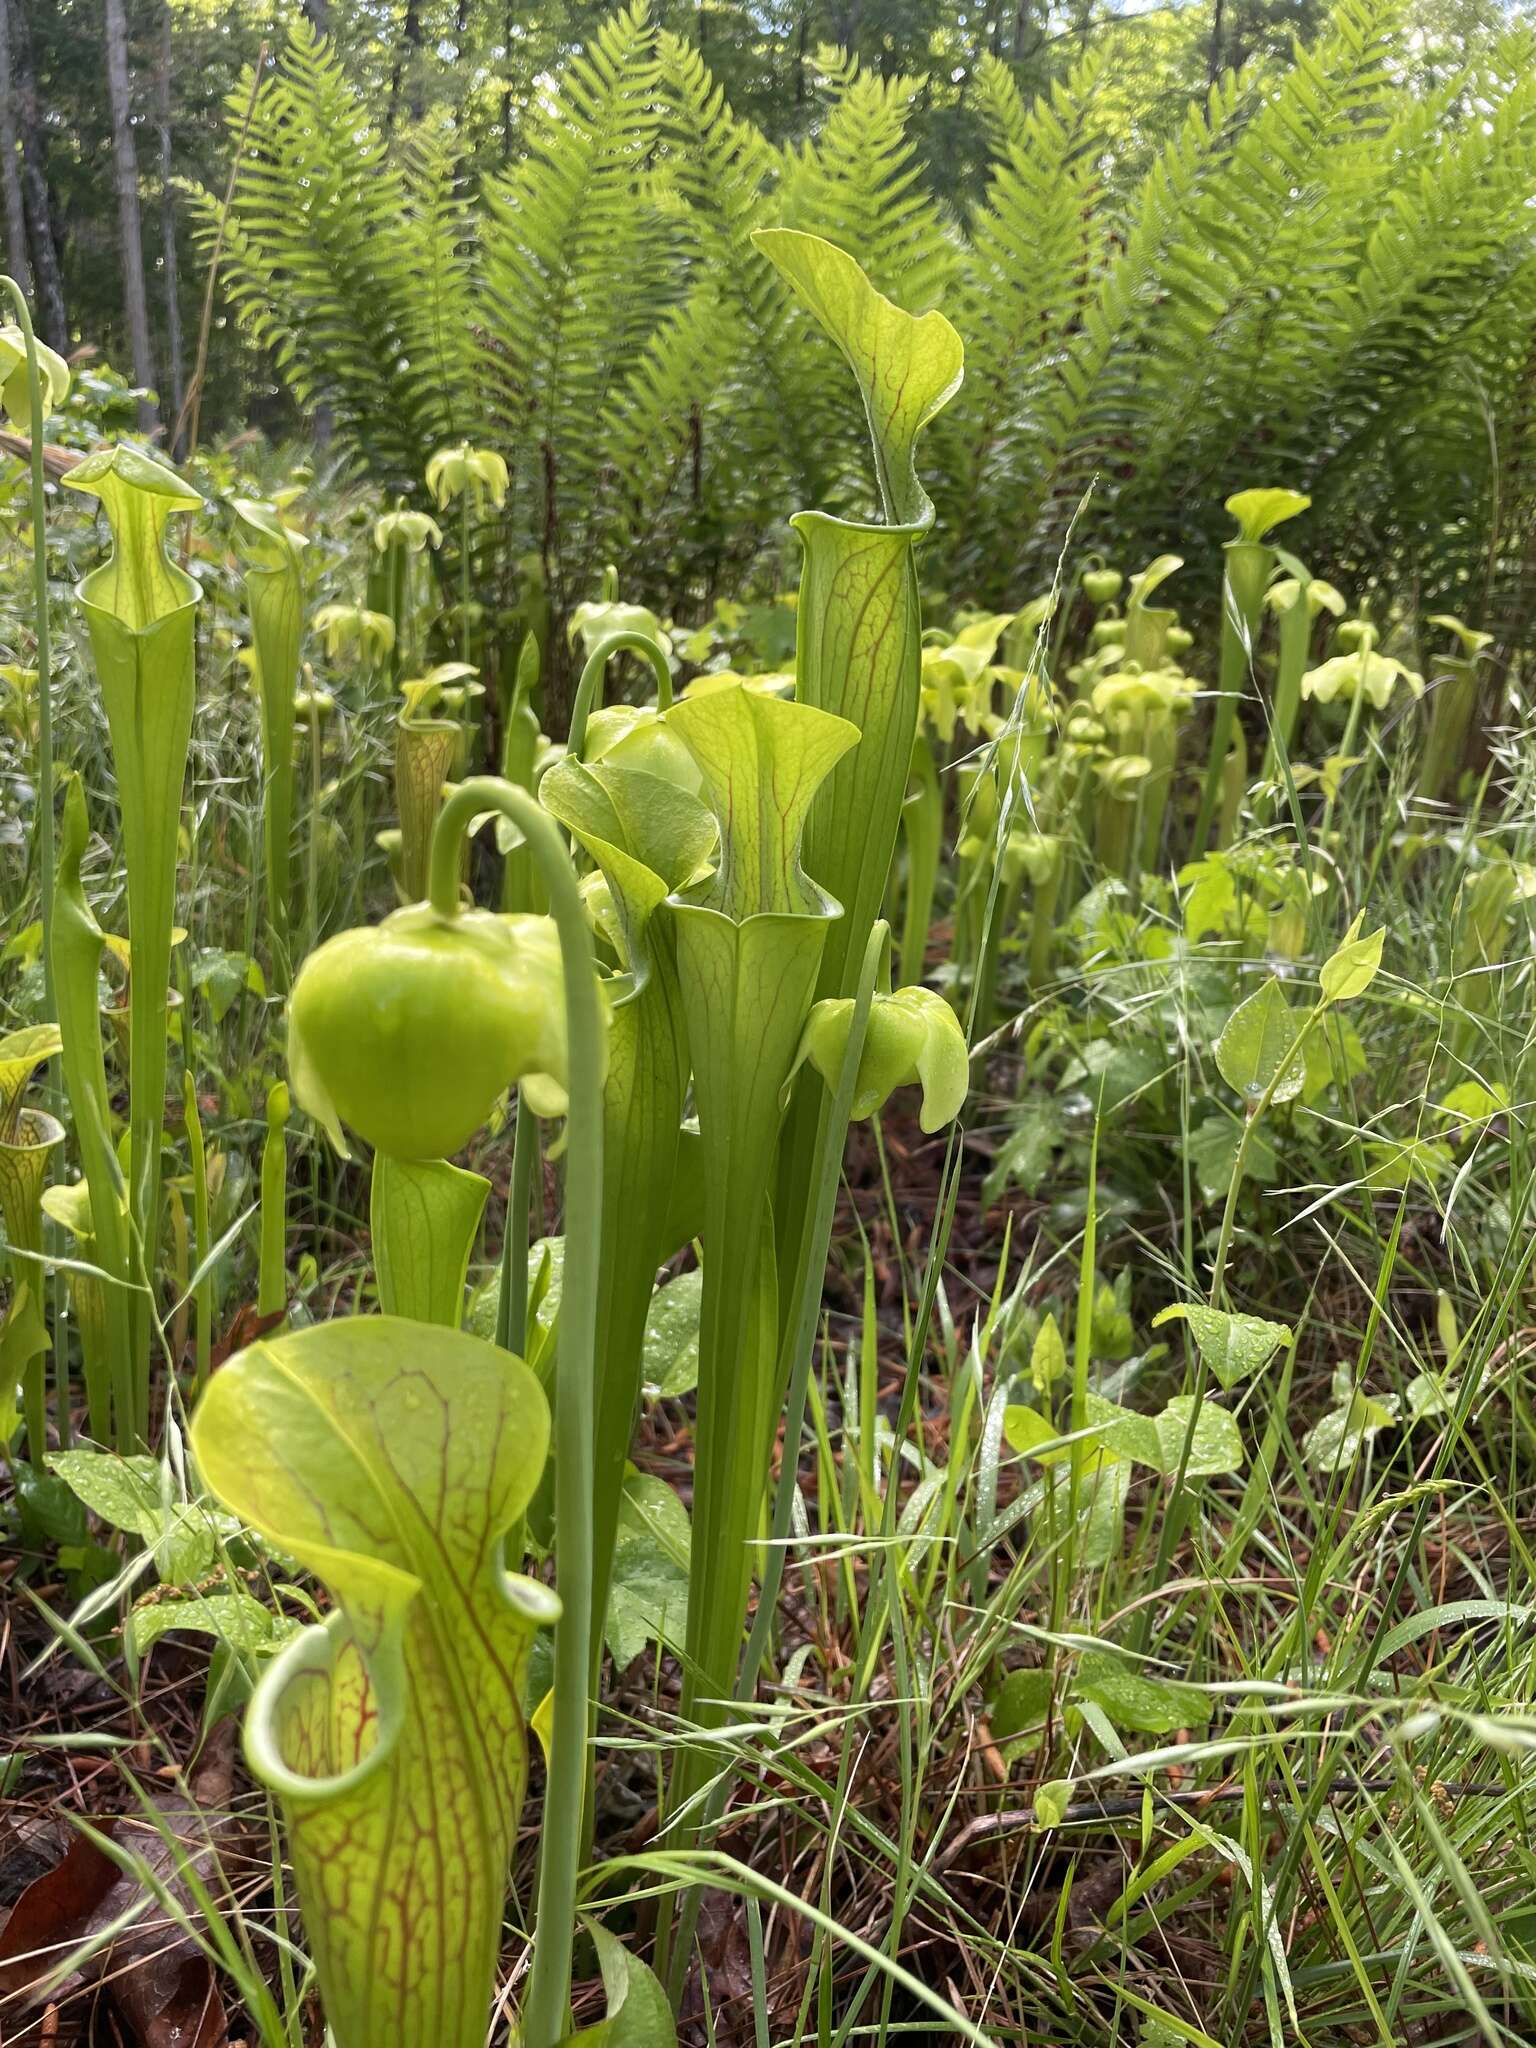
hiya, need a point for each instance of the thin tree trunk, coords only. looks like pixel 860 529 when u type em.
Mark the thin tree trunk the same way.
pixel 168 215
pixel 318 14
pixel 1213 66
pixel 43 247
pixel 126 169
pixel 16 260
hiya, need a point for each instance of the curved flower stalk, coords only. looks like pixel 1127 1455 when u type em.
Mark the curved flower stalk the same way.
pixel 141 612
pixel 749 951
pixel 118 1399
pixel 27 1137
pixel 478 477
pixel 400 537
pixel 648 838
pixel 1297 600
pixel 1142 710
pixel 274 594
pixel 390 1458
pixel 1453 704
pixel 1250 562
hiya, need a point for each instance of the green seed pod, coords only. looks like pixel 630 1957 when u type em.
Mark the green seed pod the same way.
pixel 408 1031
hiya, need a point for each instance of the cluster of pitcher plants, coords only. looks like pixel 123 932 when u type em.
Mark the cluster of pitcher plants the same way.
pixel 689 989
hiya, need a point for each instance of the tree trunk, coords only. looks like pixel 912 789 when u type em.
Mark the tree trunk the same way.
pixel 168 214
pixel 318 14
pixel 16 261
pixel 53 321
pixel 126 170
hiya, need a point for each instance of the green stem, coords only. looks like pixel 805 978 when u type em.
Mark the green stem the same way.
pixel 512 1302
pixel 589 691
pixel 545 2016
pixel 39 505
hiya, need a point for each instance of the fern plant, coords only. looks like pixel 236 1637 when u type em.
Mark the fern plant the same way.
pixel 1322 274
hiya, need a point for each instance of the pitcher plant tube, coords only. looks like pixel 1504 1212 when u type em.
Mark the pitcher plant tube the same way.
pixel 274 595
pixel 390 1458
pixel 140 609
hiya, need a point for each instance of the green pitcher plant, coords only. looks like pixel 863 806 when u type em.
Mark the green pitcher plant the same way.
pixel 1250 563
pixel 140 609
pixel 117 1391
pixel 274 595
pixel 28 1138
pixel 391 1458
pixel 1453 703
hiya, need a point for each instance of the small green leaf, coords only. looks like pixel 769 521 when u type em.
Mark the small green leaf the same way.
pixel 1020 1705
pixel 670 1357
pixel 1233 1346
pixel 638 2015
pixel 1052 1801
pixel 1048 1355
pixel 1256 1052
pixel 1217 1446
pixel 234 1618
pixel 1349 971
pixel 1132 1699
pixel 648 1601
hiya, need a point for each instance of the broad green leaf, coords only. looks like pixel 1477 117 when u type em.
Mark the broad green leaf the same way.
pixel 670 1357
pixel 648 1600
pixel 124 1492
pixel 1233 1346
pixel 390 1458
pixel 1256 1052
pixel 1132 1698
pixel 1349 971
pixel 1212 1149
pixel 424 1214
pixel 233 1618
pixel 1217 1447
pixel 1212 897
pixel 638 2015
pixel 1021 1704
pixel 907 367
pixel 1038 1130
pixel 1336 1440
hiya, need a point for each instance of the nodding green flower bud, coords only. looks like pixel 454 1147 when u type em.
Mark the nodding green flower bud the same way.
pixel 349 628
pixel 1351 633
pixel 408 1031
pixel 412 531
pixel 53 372
pixel 1321 596
pixel 1107 633
pixel 638 736
pixel 912 1035
pixel 478 473
pixel 595 622
pixel 1363 673
pixel 1102 586
pixel 1178 640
